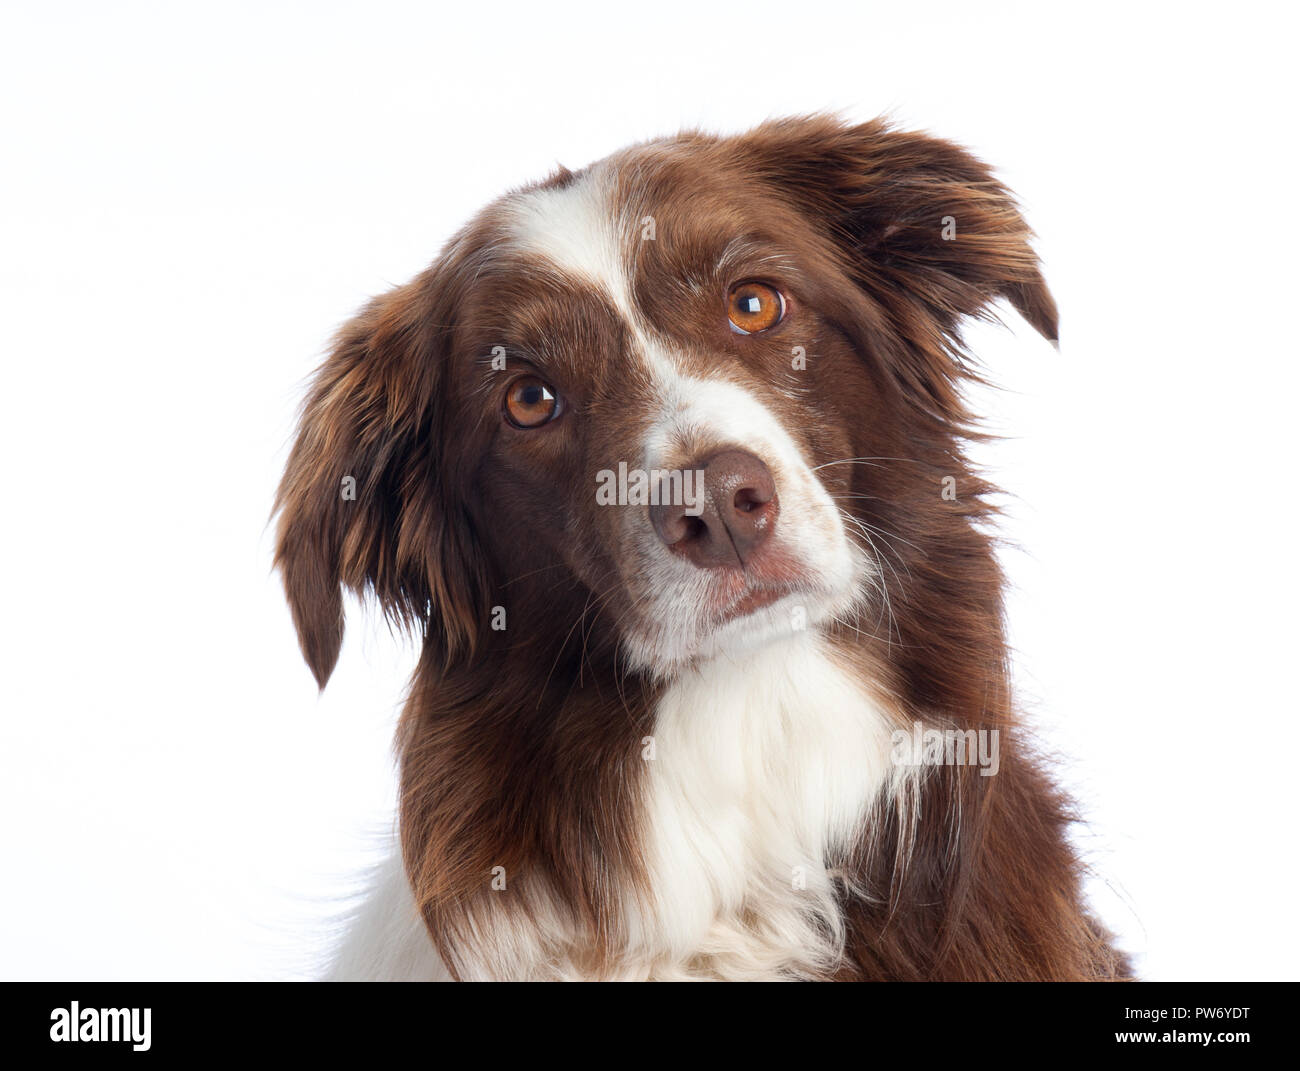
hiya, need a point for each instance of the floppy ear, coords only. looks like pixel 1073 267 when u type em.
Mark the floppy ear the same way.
pixel 916 217
pixel 363 501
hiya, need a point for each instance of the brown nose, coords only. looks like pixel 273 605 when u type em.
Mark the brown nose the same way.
pixel 738 515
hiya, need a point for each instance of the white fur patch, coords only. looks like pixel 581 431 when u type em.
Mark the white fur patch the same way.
pixel 579 229
pixel 765 766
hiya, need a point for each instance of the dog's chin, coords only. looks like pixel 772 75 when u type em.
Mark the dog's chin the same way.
pixel 759 619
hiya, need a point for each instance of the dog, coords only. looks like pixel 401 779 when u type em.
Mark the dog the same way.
pixel 665 463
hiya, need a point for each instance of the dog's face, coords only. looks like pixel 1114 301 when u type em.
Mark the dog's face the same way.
pixel 677 393
pixel 667 393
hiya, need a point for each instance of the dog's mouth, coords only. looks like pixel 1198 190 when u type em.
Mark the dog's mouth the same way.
pixel 750 601
pixel 772 576
pixel 733 610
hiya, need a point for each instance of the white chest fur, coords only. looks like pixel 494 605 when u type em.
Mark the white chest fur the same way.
pixel 764 765
pixel 760 768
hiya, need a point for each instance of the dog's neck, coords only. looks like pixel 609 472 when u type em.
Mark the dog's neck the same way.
pixel 747 781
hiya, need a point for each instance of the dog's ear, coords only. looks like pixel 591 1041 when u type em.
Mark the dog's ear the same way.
pixel 364 500
pixel 914 214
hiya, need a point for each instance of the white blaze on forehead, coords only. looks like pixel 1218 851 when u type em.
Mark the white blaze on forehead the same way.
pixel 583 230
pixel 579 229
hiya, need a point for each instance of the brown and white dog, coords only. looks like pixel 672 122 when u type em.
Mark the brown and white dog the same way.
pixel 664 461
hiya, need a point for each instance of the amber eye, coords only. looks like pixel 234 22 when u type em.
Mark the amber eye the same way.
pixel 754 307
pixel 530 403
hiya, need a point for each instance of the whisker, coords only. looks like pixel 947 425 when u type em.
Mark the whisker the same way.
pixel 879 581
pixel 864 461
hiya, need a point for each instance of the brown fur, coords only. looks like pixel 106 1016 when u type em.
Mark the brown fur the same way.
pixel 521 748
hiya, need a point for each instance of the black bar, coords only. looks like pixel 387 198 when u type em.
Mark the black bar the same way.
pixel 615 1024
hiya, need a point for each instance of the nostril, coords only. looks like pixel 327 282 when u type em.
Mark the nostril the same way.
pixel 676 527
pixel 748 499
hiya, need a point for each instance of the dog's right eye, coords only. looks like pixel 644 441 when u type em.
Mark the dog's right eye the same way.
pixel 530 402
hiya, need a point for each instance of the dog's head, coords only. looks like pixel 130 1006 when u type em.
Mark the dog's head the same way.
pixel 699 391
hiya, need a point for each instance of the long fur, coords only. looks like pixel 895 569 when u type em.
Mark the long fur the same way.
pixel 610 786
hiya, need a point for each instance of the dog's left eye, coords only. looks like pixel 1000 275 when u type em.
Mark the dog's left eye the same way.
pixel 530 402
pixel 754 307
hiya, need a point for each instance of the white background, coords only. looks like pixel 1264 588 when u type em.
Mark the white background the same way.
pixel 192 197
